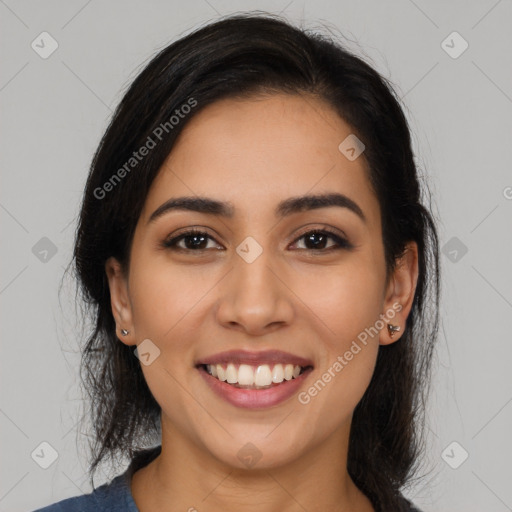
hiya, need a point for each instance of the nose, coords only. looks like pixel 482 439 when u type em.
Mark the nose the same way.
pixel 255 297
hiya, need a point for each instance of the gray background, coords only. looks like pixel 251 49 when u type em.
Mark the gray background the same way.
pixel 54 112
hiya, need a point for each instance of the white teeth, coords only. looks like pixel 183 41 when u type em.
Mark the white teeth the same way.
pixel 231 374
pixel 288 371
pixel 245 375
pixel 221 374
pixel 256 376
pixel 278 373
pixel 263 376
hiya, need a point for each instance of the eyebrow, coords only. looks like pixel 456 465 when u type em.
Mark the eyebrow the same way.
pixel 285 208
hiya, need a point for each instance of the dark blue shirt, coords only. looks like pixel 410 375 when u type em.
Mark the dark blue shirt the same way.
pixel 116 496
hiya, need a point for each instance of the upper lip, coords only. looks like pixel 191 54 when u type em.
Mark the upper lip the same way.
pixel 255 358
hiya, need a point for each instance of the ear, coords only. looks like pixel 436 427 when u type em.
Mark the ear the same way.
pixel 120 300
pixel 400 294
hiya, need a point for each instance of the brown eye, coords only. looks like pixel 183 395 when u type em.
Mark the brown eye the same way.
pixel 316 240
pixel 193 240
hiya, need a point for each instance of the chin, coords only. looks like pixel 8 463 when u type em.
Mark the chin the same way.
pixel 253 452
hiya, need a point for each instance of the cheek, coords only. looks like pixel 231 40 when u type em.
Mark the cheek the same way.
pixel 346 300
pixel 163 299
pixel 348 356
pixel 163 295
pixel 337 389
pixel 347 303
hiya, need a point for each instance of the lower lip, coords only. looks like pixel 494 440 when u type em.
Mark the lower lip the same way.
pixel 254 398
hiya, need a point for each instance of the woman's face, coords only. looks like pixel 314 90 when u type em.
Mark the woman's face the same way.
pixel 274 281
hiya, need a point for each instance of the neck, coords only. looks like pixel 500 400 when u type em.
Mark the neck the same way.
pixel 190 478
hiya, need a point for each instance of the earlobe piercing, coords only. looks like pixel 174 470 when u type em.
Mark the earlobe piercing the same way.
pixel 124 332
pixel 392 329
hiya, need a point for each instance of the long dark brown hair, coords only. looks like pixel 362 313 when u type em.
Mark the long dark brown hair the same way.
pixel 239 56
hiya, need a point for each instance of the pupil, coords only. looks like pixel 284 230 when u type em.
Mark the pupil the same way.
pixel 196 238
pixel 320 235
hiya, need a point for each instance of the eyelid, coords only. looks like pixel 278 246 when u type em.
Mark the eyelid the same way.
pixel 323 228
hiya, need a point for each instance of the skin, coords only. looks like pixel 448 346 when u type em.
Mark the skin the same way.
pixel 254 153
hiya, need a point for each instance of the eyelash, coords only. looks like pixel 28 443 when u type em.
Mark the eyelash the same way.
pixel 342 243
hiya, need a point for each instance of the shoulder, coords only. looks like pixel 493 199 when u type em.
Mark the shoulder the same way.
pixel 115 496
pixel 111 497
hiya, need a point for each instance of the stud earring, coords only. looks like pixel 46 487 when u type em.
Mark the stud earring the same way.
pixel 124 332
pixel 392 329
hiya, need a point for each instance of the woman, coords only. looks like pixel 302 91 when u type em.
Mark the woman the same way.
pixel 263 277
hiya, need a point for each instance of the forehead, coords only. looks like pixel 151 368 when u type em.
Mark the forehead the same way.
pixel 257 151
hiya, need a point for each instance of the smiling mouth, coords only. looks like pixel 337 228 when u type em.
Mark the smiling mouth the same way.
pixel 247 376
